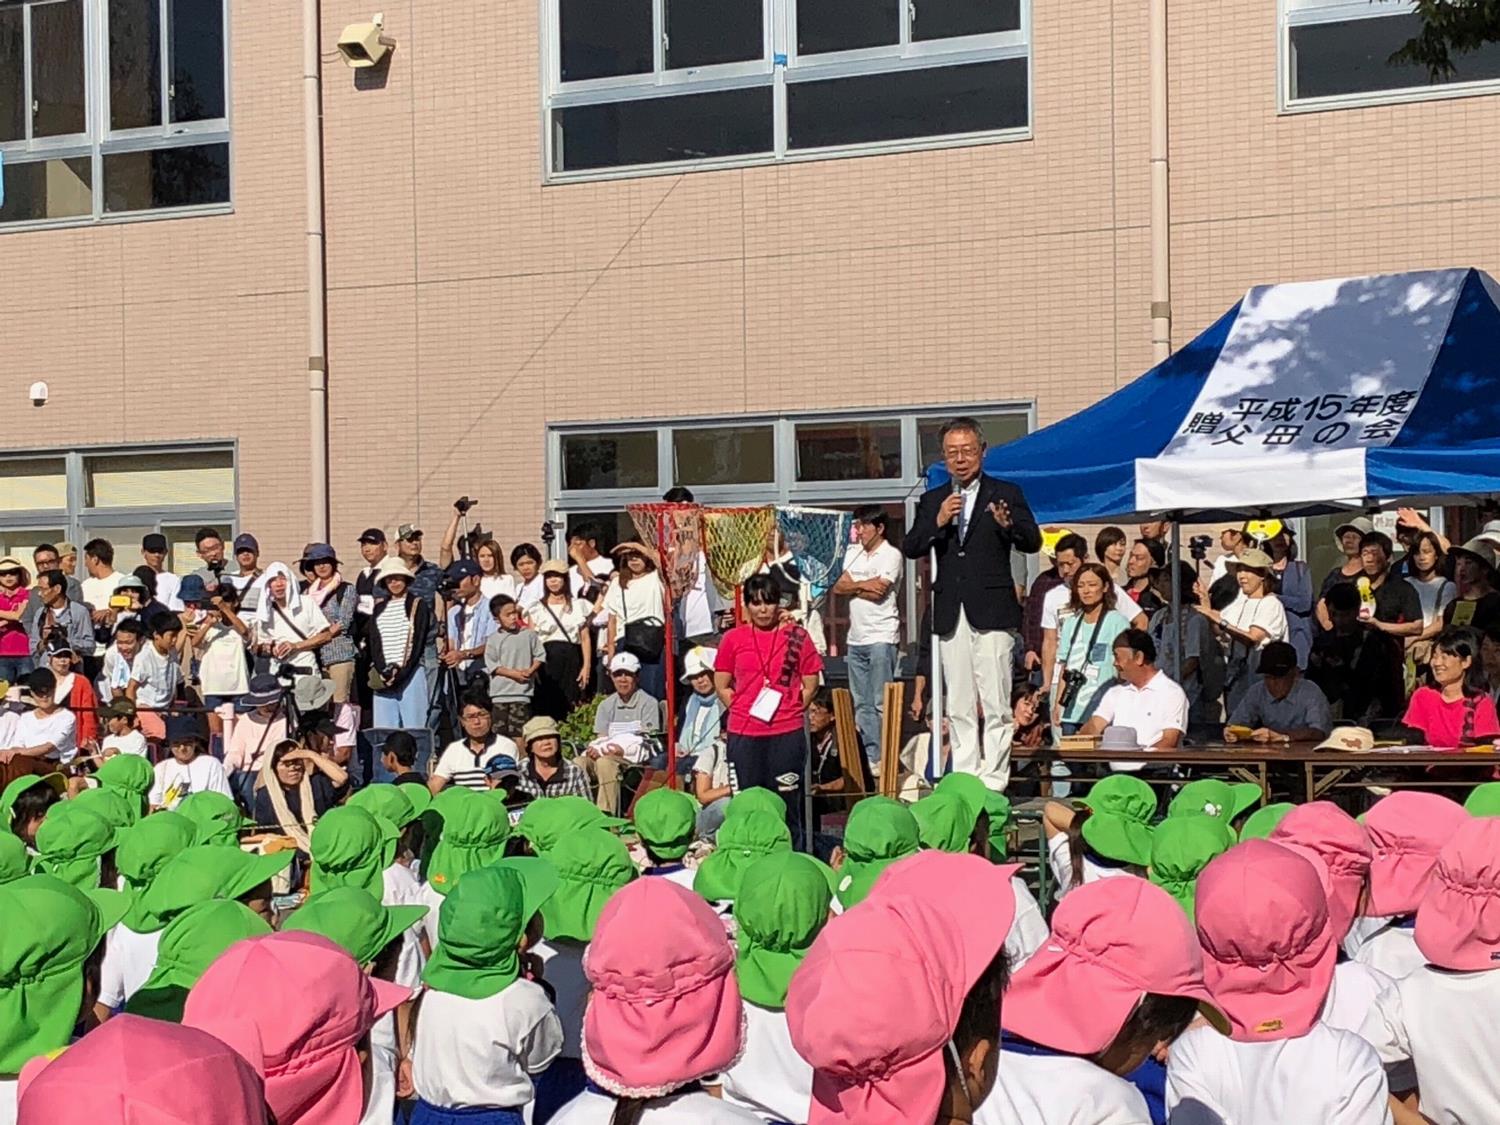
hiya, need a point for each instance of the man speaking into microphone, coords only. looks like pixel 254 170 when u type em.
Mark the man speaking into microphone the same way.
pixel 972 525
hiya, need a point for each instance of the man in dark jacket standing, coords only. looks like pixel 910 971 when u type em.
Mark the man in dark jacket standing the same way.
pixel 973 523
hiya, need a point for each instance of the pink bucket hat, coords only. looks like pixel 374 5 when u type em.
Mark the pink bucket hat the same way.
pixel 879 993
pixel 665 1008
pixel 1268 950
pixel 1407 830
pixel 1458 923
pixel 297 1005
pixel 1342 846
pixel 137 1069
pixel 1111 941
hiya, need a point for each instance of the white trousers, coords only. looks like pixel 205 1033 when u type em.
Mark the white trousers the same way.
pixel 976 679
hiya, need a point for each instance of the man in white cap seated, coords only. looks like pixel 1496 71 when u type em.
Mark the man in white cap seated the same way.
pixel 620 726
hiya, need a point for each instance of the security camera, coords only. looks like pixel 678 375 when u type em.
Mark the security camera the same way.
pixel 364 44
pixel 39 394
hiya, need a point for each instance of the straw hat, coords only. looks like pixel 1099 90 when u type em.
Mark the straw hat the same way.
pixel 632 545
pixel 1252 559
pixel 390 567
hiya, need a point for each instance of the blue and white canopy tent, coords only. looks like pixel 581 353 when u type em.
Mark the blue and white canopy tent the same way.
pixel 1304 398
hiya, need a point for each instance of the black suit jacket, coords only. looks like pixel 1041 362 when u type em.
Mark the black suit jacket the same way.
pixel 975 574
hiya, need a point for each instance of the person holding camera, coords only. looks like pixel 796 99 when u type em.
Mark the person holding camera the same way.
pixel 470 621
pixel 400 629
pixel 1084 669
pixel 58 612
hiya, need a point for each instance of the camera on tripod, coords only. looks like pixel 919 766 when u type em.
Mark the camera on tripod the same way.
pixel 463 504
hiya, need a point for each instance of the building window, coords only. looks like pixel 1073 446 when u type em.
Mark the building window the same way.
pixel 112 108
pixel 646 85
pixel 1338 52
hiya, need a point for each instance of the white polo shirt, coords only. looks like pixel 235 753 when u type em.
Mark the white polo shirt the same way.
pixel 874 623
pixel 1327 1076
pixel 484 1052
pixel 1055 603
pixel 1059 1090
pixel 1151 710
pixel 458 765
pixel 770 1077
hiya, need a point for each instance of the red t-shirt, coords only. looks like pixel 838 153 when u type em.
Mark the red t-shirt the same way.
pixel 1443 722
pixel 13 639
pixel 778 657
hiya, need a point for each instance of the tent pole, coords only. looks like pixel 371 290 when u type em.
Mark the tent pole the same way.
pixel 935 677
pixel 1177 621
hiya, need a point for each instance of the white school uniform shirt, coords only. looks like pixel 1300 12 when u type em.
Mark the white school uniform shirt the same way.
pixel 1059 1090
pixel 399 887
pixel 1326 1077
pixel 1362 930
pixel 1028 929
pixel 1060 859
pixel 697 1108
pixel 562 968
pixel 129 959
pixel 8 1090
pixel 874 623
pixel 429 898
pixel 1055 605
pixel 1393 951
pixel 1444 1023
pixel 380 1100
pixel 131 742
pixel 175 780
pixel 770 1078
pixel 682 876
pixel 484 1052
pixel 1355 991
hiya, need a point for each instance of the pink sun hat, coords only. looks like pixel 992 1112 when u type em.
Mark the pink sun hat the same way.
pixel 1342 846
pixel 879 994
pixel 138 1069
pixel 1458 923
pixel 297 1005
pixel 1407 830
pixel 1268 948
pixel 1111 941
pixel 665 1008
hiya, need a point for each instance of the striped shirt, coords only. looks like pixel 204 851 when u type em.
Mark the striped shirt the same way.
pixel 395 630
pixel 461 765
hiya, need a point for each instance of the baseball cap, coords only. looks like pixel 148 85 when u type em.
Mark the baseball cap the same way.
pixel 501 765
pixel 64 549
pixel 460 569
pixel 408 531
pixel 246 543
pixel 625 662
pixel 154 544
pixel 1277 659
pixel 372 535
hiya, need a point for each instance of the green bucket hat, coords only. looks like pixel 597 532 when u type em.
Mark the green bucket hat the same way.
pixel 191 943
pixel 741 840
pixel 129 775
pixel 202 873
pixel 110 805
pixel 1263 821
pixel 217 818
pixel 475 831
pixel 353 919
pixel 70 842
pixel 9 794
pixel 781 908
pixel 965 786
pixel 352 848
pixel 143 849
pixel 758 799
pixel 591 865
pixel 880 831
pixel 667 820
pixel 547 820
pixel 945 821
pixel 997 805
pixel 50 930
pixel 393 802
pixel 1181 847
pixel 481 924
pixel 1484 800
pixel 1122 807
pixel 1208 796
pixel 13 858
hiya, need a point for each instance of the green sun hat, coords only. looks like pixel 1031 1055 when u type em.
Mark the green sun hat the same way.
pixel 191 942
pixel 945 821
pixel 143 849
pixel 1208 796
pixel 1484 800
pixel 879 832
pixel 393 802
pixel 739 843
pixel 1263 821
pixel 667 821
pixel 758 800
pixel 14 861
pixel 591 864
pixel 12 791
pixel 965 786
pixel 1122 807
pixel 70 842
pixel 1181 847
pixel 419 795
pixel 481 925
pixel 129 775
pixel 51 928
pixel 110 805
pixel 355 920
pixel 547 820
pixel 202 873
pixel 352 848
pixel 475 832
pixel 217 818
pixel 781 908
pixel 997 805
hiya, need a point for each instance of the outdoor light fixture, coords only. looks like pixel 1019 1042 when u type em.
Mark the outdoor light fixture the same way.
pixel 365 44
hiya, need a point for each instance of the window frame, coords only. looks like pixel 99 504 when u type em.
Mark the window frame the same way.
pixel 779 67
pixel 1291 13
pixel 99 140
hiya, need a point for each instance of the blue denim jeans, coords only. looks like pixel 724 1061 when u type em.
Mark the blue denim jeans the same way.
pixel 13 669
pixel 871 667
pixel 404 708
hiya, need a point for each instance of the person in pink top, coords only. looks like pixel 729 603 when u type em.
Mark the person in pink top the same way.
pixel 1454 709
pixel 15 645
pixel 138 1069
pixel 766 673
pixel 297 1008
pixel 897 1004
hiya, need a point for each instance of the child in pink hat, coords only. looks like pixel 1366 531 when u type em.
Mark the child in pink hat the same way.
pixel 296 1006
pixel 1407 830
pixel 137 1069
pixel 664 1013
pixel 1121 974
pixel 897 1004
pixel 1268 955
pixel 1442 1015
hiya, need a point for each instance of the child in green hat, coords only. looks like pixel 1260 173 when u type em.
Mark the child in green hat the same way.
pixel 1484 800
pixel 667 821
pixel 14 861
pixel 1110 835
pixel 110 805
pixel 352 848
pixel 25 801
pixel 484 1030
pixel 1181 847
pixel 76 845
pixel 401 806
pixel 879 832
pixel 1263 821
pixel 1209 796
pixel 742 839
pixel 129 775
pixel 947 822
pixel 141 851
pixel 217 818
pixel 190 943
pixel 547 820
pixel 475 831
